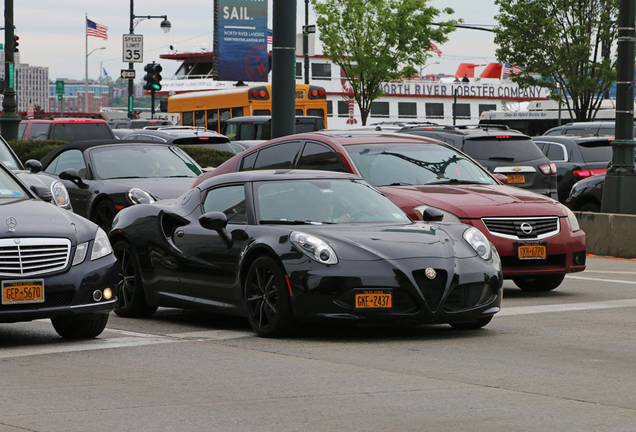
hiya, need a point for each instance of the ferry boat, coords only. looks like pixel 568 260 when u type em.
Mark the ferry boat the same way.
pixel 439 99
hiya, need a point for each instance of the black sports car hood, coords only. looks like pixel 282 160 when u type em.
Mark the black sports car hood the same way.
pixel 361 242
pixel 35 218
pixel 160 188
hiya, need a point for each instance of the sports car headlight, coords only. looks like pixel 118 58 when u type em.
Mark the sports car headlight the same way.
pixel 313 247
pixel 448 216
pixel 60 194
pixel 140 196
pixel 478 241
pixel 101 245
pixel 573 221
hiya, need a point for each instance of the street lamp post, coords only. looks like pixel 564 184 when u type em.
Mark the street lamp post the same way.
pixel 86 77
pixel 165 26
pixel 9 120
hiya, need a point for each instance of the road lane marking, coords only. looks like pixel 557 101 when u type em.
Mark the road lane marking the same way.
pixel 571 307
pixel 213 335
pixel 601 280
pixel 609 271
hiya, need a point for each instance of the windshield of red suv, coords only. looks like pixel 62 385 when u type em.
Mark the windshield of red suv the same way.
pixel 72 132
pixel 415 164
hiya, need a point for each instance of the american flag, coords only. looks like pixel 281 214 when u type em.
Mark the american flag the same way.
pixel 269 36
pixel 96 30
pixel 436 50
pixel 508 69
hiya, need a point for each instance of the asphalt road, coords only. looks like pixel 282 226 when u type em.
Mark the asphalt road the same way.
pixel 558 361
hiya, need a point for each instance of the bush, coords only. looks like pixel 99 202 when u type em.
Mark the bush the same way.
pixel 207 157
pixel 37 149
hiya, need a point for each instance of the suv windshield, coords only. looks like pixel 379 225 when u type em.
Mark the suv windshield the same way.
pixel 596 151
pixel 72 132
pixel 415 164
pixel 513 150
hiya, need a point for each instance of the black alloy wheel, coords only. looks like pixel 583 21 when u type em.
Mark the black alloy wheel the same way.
pixel 70 327
pixel 267 299
pixel 104 215
pixel 130 291
pixel 540 283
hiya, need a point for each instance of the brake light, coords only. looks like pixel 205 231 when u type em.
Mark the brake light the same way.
pixel 588 173
pixel 545 169
pixel 503 137
pixel 255 94
pixel 553 168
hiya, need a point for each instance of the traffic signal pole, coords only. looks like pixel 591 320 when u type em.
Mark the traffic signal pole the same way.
pixel 9 120
pixel 620 180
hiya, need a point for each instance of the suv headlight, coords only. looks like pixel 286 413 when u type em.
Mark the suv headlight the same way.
pixel 572 220
pixel 448 216
pixel 139 196
pixel 101 248
pixel 315 248
pixel 60 194
pixel 478 241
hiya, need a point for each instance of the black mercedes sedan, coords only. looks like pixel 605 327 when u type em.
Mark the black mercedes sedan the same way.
pixel 53 264
pixel 293 245
pixel 105 176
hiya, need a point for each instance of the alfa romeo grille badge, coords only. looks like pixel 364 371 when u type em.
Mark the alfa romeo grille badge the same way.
pixel 430 273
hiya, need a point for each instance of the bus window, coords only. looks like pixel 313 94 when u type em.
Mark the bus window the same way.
pixel 187 118
pixel 224 115
pixel 258 112
pixel 199 118
pixel 246 131
pixel 213 120
pixel 316 112
pixel 237 112
pixel 299 111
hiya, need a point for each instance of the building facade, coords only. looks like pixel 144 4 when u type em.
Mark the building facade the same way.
pixel 74 100
pixel 32 84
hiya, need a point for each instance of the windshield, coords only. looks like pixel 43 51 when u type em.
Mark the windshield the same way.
pixel 326 201
pixel 10 189
pixel 147 161
pixel 7 157
pixel 415 164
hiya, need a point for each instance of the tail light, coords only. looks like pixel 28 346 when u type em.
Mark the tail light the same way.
pixel 588 173
pixel 548 169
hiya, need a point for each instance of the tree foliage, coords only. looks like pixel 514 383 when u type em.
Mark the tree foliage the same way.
pixel 375 41
pixel 562 45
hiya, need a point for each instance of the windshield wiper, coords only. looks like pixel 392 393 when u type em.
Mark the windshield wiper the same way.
pixel 501 158
pixel 454 181
pixel 401 184
pixel 293 222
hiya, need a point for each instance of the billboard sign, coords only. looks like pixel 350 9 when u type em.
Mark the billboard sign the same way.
pixel 240 40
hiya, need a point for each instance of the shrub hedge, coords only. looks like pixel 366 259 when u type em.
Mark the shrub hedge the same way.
pixel 26 150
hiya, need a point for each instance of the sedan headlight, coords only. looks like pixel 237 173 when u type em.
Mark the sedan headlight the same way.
pixel 315 248
pixel 60 194
pixel 139 196
pixel 478 241
pixel 101 248
pixel 572 220
pixel 448 216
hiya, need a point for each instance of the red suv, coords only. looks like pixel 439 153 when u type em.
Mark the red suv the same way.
pixel 539 239
pixel 65 129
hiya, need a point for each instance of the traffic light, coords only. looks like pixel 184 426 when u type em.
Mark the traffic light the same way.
pixel 152 77
pixel 15 43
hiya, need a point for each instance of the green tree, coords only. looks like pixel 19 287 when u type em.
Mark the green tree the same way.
pixel 376 41
pixel 562 45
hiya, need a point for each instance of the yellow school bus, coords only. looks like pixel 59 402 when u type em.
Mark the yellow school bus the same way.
pixel 212 108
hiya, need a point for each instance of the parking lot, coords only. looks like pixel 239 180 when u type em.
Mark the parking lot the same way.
pixel 555 361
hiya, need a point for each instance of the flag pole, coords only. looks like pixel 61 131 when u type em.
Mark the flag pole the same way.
pixel 86 58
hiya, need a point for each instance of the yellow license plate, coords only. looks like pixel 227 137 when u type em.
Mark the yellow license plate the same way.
pixel 516 178
pixel 24 291
pixel 375 300
pixel 532 251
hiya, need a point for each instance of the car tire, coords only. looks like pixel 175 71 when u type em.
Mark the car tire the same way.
pixel 104 214
pixel 267 299
pixel 130 293
pixel 474 325
pixel 70 327
pixel 539 284
pixel 590 207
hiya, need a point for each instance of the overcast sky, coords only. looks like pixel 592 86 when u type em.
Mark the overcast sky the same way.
pixel 52 33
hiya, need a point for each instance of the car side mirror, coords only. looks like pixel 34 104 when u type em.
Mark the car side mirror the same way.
pixel 432 215
pixel 42 192
pixel 502 178
pixel 71 174
pixel 217 221
pixel 34 166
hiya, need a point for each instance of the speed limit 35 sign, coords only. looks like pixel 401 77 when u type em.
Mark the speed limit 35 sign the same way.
pixel 133 49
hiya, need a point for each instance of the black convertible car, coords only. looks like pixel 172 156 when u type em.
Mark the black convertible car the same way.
pixel 104 176
pixel 280 246
pixel 53 263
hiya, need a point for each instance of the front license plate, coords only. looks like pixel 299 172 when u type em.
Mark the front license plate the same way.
pixel 516 178
pixel 532 250
pixel 373 300
pixel 23 291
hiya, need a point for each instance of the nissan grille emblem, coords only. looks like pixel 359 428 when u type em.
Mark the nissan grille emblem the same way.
pixel 526 228
pixel 430 273
pixel 11 223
